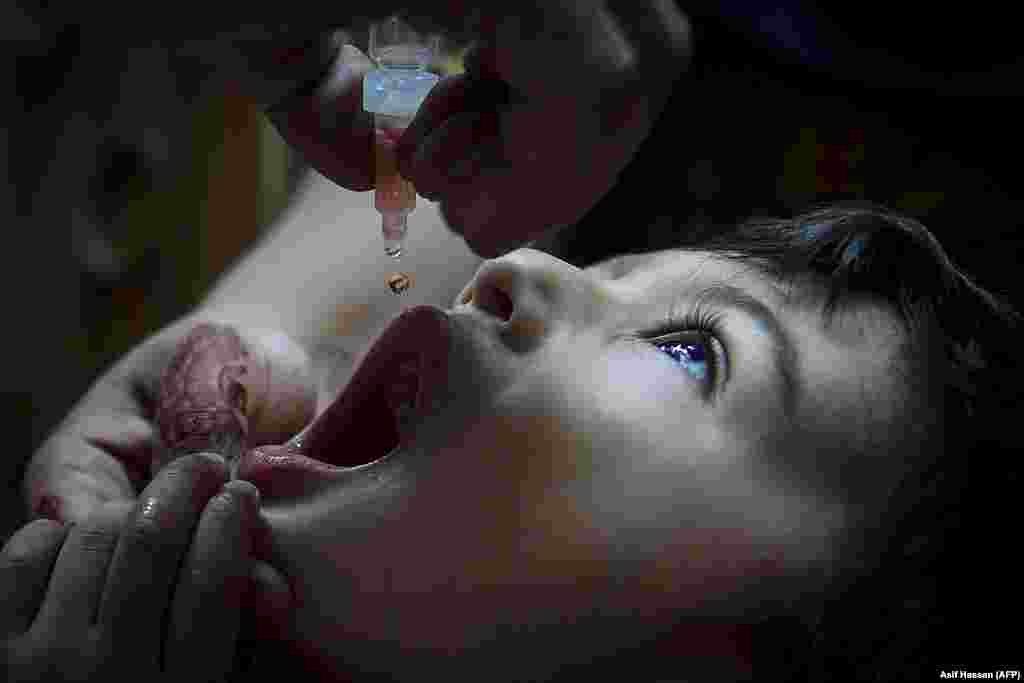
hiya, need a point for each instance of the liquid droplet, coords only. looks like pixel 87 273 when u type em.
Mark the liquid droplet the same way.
pixel 399 282
pixel 393 250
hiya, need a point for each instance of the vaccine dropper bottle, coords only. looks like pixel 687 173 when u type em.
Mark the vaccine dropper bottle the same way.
pixel 392 93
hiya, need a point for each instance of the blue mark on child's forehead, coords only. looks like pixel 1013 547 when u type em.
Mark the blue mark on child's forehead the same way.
pixel 760 327
pixel 814 230
pixel 854 249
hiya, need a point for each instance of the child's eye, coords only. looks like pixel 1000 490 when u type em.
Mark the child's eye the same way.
pixel 697 352
pixel 693 341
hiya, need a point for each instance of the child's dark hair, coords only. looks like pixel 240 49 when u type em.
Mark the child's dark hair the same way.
pixel 932 571
pixel 905 615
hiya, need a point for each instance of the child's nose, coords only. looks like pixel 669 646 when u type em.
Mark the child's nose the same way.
pixel 533 293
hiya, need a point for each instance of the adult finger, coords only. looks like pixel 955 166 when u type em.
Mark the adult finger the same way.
pixel 149 552
pixel 445 99
pixel 546 167
pixel 328 125
pixel 454 154
pixel 207 601
pixel 25 564
pixel 269 597
pixel 81 570
pixel 454 95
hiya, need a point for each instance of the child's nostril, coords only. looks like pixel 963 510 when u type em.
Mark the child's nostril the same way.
pixel 495 301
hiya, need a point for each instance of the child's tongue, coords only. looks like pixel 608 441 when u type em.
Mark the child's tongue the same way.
pixel 402 395
pixel 362 425
pixel 373 411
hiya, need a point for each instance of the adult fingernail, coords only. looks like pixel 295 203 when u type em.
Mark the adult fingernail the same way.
pixel 273 588
pixel 245 490
pixel 248 497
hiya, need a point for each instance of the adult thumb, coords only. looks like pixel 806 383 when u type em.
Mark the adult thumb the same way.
pixel 269 599
pixel 270 596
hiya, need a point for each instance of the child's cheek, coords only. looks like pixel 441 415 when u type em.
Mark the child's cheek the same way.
pixel 571 467
pixel 537 523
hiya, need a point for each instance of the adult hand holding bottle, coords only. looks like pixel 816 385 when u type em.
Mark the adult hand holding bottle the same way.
pixel 556 99
pixel 555 102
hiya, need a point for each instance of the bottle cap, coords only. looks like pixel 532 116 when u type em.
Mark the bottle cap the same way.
pixel 393 42
pixel 401 80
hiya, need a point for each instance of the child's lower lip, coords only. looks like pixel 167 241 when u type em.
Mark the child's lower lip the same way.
pixel 282 472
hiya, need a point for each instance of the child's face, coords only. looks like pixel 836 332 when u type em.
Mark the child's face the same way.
pixel 565 467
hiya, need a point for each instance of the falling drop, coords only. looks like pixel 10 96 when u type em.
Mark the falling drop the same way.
pixel 399 282
pixel 393 250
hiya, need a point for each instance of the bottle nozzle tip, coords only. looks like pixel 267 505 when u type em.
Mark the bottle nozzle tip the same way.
pixel 394 224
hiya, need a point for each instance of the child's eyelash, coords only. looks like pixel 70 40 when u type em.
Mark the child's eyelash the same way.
pixel 698 318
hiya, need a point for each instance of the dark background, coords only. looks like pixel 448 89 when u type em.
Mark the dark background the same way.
pixel 900 110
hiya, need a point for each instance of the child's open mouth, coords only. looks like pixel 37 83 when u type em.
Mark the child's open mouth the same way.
pixel 374 414
pixel 379 409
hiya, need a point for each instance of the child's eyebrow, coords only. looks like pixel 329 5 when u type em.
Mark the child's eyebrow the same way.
pixel 622 264
pixel 784 351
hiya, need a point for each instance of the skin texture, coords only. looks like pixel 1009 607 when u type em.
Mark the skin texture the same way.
pixel 221 387
pixel 570 479
pixel 149 590
pixel 202 401
pixel 549 87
